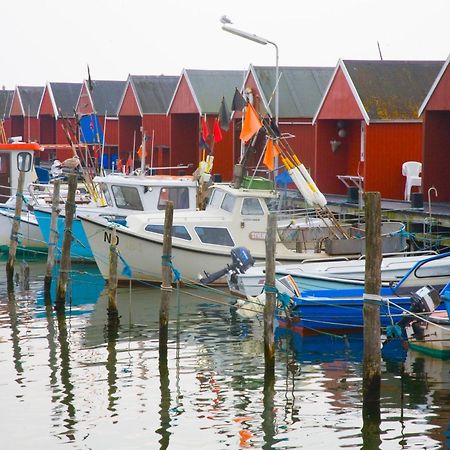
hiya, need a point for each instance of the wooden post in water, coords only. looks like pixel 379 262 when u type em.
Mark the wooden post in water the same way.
pixel 269 307
pixel 371 310
pixel 113 314
pixel 64 266
pixel 166 285
pixel 53 240
pixel 14 232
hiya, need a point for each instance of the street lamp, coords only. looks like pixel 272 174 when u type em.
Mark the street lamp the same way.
pixel 259 40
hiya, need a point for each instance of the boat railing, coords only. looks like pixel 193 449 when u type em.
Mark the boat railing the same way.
pixel 406 253
pixel 43 194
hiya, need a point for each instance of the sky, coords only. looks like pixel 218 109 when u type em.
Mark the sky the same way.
pixel 55 40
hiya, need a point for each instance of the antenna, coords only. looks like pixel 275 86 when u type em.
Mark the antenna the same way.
pixel 379 51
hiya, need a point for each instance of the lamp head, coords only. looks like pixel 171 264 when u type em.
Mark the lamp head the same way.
pixel 245 35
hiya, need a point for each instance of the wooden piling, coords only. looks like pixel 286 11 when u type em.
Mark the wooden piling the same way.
pixel 269 307
pixel 25 275
pixel 53 240
pixel 15 232
pixel 64 266
pixel 371 309
pixel 166 285
pixel 113 314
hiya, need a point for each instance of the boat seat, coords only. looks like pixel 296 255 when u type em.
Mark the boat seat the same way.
pixel 411 170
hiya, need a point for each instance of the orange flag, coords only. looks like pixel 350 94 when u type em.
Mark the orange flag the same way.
pixel 251 124
pixel 139 152
pixel 271 151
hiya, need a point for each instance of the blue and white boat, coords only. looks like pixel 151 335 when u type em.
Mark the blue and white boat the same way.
pixel 339 309
pixel 121 196
pixel 421 267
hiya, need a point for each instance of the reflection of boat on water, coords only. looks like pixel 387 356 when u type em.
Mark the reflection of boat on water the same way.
pixel 327 347
pixel 85 285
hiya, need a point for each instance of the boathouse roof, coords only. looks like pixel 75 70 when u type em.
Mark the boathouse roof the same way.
pixel 153 93
pixel 6 97
pixel 300 88
pixel 64 97
pixel 29 99
pixel 207 87
pixel 392 90
pixel 106 96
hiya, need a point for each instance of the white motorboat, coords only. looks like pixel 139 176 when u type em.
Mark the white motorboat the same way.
pixel 201 240
pixel 120 196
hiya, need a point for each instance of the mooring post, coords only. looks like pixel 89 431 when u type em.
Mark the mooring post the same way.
pixel 53 240
pixel 25 275
pixel 64 266
pixel 371 311
pixel 13 241
pixel 166 285
pixel 269 307
pixel 113 314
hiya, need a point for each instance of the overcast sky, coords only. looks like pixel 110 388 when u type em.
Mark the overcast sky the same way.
pixel 54 40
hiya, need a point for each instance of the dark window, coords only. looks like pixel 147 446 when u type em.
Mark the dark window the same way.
pixel 178 195
pixel 228 202
pixel 127 198
pixel 217 236
pixel 178 231
pixel 251 207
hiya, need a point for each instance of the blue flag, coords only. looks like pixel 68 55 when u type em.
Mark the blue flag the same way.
pixel 91 131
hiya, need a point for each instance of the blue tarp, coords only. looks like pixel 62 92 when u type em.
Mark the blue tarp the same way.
pixel 283 178
pixel 91 131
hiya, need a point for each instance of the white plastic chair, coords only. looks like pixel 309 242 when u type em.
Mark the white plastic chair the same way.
pixel 411 170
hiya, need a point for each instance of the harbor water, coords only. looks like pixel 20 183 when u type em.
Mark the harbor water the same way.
pixel 75 382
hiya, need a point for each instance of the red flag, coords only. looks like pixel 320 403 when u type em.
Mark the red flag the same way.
pixel 217 131
pixel 205 131
pixel 251 124
pixel 271 151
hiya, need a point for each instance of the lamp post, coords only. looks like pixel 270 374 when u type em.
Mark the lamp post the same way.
pixel 262 41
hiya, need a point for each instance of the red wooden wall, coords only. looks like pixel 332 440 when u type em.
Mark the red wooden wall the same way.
pixel 388 146
pixel 437 154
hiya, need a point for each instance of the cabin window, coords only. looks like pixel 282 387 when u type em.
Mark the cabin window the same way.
pixel 228 202
pixel 216 198
pixel 127 197
pixel 106 194
pixel 217 236
pixel 178 195
pixel 178 231
pixel 251 207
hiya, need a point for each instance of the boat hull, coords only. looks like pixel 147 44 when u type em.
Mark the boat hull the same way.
pixel 345 312
pixel 30 236
pixel 140 259
pixel 79 249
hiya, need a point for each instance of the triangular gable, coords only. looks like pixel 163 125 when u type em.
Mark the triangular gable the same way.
pixel 438 98
pixel 341 101
pixel 84 104
pixel 129 105
pixel 46 108
pixel 184 100
pixel 16 105
pixel 251 81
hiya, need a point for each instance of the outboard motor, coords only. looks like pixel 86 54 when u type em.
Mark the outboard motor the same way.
pixel 425 300
pixel 241 260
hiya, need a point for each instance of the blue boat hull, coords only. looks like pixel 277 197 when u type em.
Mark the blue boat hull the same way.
pixel 80 249
pixel 342 310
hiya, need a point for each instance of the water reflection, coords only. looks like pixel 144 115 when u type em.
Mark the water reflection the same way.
pixel 93 384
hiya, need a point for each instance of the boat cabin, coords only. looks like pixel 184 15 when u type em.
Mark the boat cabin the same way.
pixel 9 172
pixel 148 193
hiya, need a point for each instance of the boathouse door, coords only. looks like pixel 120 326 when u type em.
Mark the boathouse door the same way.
pixel 5 176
